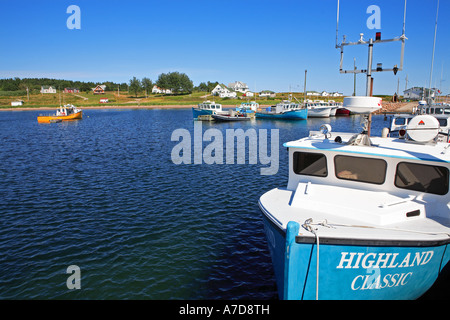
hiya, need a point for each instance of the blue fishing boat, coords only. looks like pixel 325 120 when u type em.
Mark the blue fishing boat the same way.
pixel 285 110
pixel 362 217
pixel 341 231
pixel 206 108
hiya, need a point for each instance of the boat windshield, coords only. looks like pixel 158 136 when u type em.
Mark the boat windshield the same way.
pixel 423 178
pixel 401 121
pixel 310 164
pixel 355 168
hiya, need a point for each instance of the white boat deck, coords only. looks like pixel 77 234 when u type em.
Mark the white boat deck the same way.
pixel 351 218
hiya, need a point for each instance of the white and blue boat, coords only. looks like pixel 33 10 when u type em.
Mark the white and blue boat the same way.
pixel 206 108
pixel 340 230
pixel 362 217
pixel 285 110
pixel 248 107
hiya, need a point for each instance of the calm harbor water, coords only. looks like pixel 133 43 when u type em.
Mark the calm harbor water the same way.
pixel 103 194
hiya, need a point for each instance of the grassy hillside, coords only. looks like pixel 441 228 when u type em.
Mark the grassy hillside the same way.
pixel 125 98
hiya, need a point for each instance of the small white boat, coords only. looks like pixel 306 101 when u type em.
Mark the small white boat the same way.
pixel 231 116
pixel 318 110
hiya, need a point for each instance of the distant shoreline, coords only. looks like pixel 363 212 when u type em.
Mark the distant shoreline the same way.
pixel 110 107
pixel 387 107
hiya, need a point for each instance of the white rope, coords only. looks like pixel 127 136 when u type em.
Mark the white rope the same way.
pixel 308 226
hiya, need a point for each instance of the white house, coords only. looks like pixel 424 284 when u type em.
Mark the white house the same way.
pixel 312 93
pixel 417 93
pixel 48 89
pixel 336 94
pixel 248 94
pixel 222 91
pixel 238 86
pixel 324 94
pixel 159 90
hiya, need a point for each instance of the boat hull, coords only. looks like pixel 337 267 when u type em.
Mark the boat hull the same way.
pixel 342 112
pixel 219 117
pixel 49 119
pixel 196 112
pixel 290 115
pixel 319 112
pixel 364 270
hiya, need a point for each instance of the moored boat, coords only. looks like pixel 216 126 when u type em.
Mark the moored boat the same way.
pixel 63 113
pixel 285 110
pixel 340 231
pixel 206 108
pixel 318 109
pixel 362 217
pixel 231 116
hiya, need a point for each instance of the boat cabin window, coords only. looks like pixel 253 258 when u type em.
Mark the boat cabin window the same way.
pixel 442 122
pixel 401 121
pixel 360 169
pixel 423 178
pixel 310 164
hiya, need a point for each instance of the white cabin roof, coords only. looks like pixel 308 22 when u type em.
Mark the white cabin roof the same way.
pixel 381 147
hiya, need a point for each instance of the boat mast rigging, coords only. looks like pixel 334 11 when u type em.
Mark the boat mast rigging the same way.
pixel 370 44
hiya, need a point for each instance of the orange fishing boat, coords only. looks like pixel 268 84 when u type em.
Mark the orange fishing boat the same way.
pixel 67 112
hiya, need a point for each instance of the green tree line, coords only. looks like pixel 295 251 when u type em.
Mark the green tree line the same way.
pixel 178 83
pixel 14 84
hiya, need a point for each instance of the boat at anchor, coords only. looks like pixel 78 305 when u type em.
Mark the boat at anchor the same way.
pixel 63 113
pixel 285 110
pixel 340 231
pixel 206 109
pixel 231 115
pixel 362 217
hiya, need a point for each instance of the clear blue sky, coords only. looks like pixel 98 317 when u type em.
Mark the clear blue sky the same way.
pixel 267 44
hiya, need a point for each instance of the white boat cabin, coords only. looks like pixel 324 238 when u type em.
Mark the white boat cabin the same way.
pixel 434 109
pixel 66 110
pixel 284 106
pixel 210 105
pixel 407 180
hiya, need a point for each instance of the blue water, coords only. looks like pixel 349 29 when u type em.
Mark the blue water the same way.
pixel 103 194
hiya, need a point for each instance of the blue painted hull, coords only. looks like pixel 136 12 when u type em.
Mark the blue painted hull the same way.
pixel 351 271
pixel 290 115
pixel 200 112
